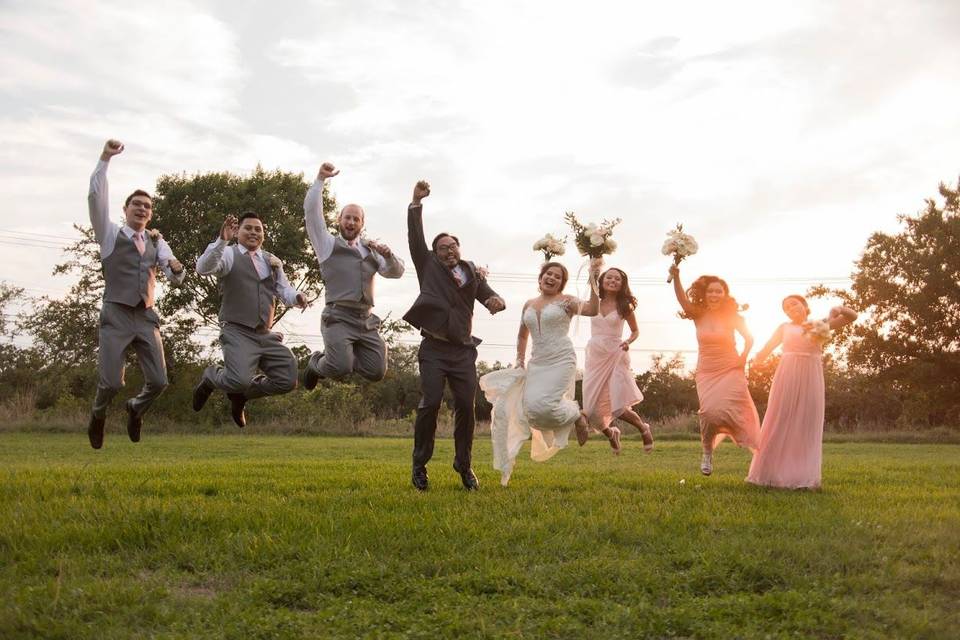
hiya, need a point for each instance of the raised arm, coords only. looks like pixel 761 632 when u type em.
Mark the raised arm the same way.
pixel 212 262
pixel 98 200
pixel 592 306
pixel 682 298
pixel 841 316
pixel 522 336
pixel 320 237
pixel 418 244
pixel 487 296
pixel 772 344
pixel 741 328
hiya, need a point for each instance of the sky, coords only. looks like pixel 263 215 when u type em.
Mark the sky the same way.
pixel 781 134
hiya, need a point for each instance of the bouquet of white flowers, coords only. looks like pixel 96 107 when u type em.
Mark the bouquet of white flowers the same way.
pixel 593 240
pixel 550 246
pixel 817 331
pixel 679 244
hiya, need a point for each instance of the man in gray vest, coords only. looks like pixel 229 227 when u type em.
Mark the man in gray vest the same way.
pixel 348 263
pixel 250 282
pixel 130 256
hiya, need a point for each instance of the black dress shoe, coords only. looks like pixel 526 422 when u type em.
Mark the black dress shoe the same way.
pixel 95 431
pixel 468 478
pixel 309 378
pixel 201 393
pixel 134 423
pixel 237 402
pixel 420 481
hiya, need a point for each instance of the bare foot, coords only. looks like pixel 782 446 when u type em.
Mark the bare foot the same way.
pixel 613 435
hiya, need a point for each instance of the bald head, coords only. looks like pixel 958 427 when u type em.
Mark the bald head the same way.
pixel 350 221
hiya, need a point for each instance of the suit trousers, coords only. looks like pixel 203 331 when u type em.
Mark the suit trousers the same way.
pixel 442 362
pixel 352 343
pixel 123 326
pixel 246 350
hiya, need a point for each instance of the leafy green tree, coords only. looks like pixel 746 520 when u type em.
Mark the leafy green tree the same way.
pixel 668 391
pixel 907 285
pixel 189 211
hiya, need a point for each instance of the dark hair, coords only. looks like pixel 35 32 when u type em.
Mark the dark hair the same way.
pixel 798 297
pixel 444 234
pixel 138 192
pixel 626 302
pixel 249 214
pixel 563 271
pixel 697 293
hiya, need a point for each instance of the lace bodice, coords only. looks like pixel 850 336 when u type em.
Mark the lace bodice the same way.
pixel 548 328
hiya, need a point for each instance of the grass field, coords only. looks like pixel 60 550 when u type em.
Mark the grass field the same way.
pixel 306 537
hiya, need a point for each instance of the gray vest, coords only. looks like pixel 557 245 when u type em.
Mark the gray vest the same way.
pixel 347 277
pixel 128 276
pixel 246 299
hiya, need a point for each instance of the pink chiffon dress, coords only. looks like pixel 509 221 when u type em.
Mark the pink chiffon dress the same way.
pixel 726 408
pixel 609 386
pixel 791 437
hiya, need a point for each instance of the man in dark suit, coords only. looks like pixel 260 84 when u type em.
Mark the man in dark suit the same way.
pixel 448 352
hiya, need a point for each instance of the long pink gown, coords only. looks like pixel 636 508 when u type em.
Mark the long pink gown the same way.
pixel 726 408
pixel 609 386
pixel 791 437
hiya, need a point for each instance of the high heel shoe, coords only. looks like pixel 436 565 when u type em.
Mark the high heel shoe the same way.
pixel 613 435
pixel 647 437
pixel 583 431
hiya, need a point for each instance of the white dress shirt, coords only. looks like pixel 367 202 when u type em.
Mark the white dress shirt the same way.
pixel 105 230
pixel 323 241
pixel 215 261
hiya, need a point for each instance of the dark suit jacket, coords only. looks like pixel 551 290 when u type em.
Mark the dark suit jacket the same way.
pixel 442 308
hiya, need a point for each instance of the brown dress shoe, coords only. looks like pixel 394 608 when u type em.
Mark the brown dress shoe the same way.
pixel 237 402
pixel 95 431
pixel 134 423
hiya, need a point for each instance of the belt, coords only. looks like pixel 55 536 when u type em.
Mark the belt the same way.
pixel 352 306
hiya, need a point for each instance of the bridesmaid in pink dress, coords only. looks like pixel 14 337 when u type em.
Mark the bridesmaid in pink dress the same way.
pixel 792 433
pixel 726 408
pixel 609 386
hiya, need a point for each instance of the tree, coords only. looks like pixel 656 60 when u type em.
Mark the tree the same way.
pixel 908 285
pixel 668 391
pixel 189 211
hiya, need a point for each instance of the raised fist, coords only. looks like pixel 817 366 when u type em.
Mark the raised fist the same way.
pixel 111 148
pixel 327 170
pixel 420 191
pixel 229 229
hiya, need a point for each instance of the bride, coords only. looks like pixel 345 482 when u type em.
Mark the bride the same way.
pixel 536 401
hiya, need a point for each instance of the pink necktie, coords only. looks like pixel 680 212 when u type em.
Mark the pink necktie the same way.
pixel 457 277
pixel 253 259
pixel 138 240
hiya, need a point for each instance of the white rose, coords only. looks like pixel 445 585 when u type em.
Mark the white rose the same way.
pixel 275 262
pixel 591 229
pixel 611 243
pixel 539 244
pixel 669 247
pixel 596 240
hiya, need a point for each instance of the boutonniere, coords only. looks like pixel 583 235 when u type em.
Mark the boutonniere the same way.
pixel 482 273
pixel 154 235
pixel 276 262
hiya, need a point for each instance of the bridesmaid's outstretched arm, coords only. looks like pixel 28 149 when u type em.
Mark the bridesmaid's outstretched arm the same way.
pixel 682 298
pixel 841 316
pixel 741 328
pixel 772 344
pixel 592 306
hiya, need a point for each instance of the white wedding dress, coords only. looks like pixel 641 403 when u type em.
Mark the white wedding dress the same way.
pixel 535 403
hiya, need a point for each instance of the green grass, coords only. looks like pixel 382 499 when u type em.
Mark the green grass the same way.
pixel 286 537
